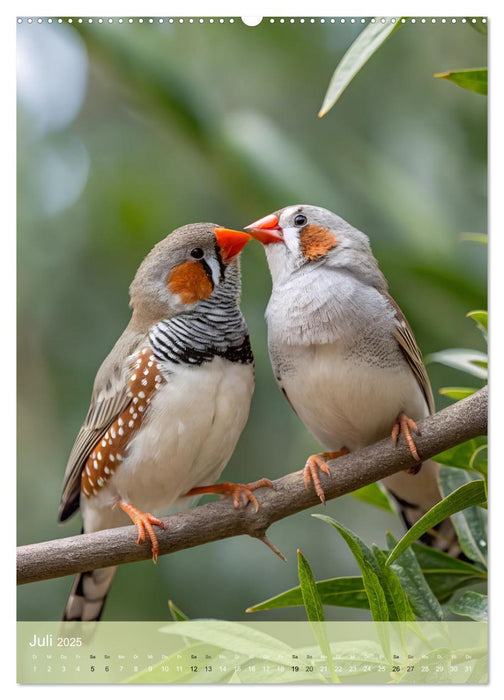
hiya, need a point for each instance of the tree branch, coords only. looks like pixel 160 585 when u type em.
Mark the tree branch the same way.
pixel 215 521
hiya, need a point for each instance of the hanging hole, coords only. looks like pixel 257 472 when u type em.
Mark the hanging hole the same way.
pixel 251 21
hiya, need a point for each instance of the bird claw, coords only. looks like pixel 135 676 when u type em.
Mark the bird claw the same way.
pixel 144 522
pixel 242 494
pixel 313 464
pixel 406 426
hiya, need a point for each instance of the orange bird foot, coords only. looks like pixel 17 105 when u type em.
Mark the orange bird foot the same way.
pixel 316 462
pixel 405 425
pixel 143 522
pixel 240 493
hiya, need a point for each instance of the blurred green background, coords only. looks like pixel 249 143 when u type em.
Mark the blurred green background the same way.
pixel 128 131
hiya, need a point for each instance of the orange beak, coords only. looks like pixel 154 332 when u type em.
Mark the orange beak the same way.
pixel 266 230
pixel 230 242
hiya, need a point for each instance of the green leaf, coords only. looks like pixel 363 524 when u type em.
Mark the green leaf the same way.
pixel 176 613
pixel 460 456
pixel 471 523
pixel 481 318
pixel 345 592
pixel 479 461
pixel 471 361
pixel 313 606
pixel 369 569
pixel 311 598
pixel 475 237
pixel 352 657
pixel 457 392
pixel 475 79
pixel 467 495
pixel 241 639
pixel 359 53
pixel 407 568
pixel 398 604
pixel 446 574
pixel 375 495
pixel 471 604
pixel 443 573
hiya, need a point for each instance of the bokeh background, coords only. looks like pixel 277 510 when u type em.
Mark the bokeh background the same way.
pixel 128 131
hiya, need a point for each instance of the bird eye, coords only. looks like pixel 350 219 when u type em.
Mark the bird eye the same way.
pixel 197 253
pixel 300 220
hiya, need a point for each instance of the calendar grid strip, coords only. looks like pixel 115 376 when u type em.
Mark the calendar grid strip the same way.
pixel 214 651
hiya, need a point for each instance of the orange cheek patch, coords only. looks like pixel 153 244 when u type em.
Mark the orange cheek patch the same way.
pixel 316 241
pixel 144 380
pixel 190 281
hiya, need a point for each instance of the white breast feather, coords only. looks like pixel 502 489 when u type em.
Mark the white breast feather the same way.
pixel 188 436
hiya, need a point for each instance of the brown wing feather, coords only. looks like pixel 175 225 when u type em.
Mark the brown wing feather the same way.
pixel 408 345
pixel 109 400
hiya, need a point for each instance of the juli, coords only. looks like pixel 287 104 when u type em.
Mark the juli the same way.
pixel 41 641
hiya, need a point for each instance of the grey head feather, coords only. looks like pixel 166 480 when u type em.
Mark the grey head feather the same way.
pixel 149 297
pixel 352 252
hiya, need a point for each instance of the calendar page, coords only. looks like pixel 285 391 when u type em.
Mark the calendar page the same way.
pixel 252 349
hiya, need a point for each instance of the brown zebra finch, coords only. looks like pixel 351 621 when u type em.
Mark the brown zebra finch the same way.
pixel 342 351
pixel 169 402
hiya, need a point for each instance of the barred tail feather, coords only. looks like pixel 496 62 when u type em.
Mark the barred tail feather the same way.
pixel 88 595
pixel 414 496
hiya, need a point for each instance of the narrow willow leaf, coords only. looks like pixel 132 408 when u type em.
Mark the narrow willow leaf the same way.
pixel 399 606
pixel 475 79
pixel 445 585
pixel 481 318
pixel 345 592
pixel 471 523
pixel 407 568
pixel 470 361
pixel 176 612
pixel 309 591
pixel 433 560
pixel 479 461
pixel 232 636
pixel 457 392
pixel 375 495
pixel 359 53
pixel 370 578
pixel 467 495
pixel 460 456
pixel 355 658
pixel 369 569
pixel 446 574
pixel 471 604
pixel 313 607
pixel 359 549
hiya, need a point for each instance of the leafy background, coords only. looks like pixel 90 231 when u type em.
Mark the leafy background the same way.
pixel 124 133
